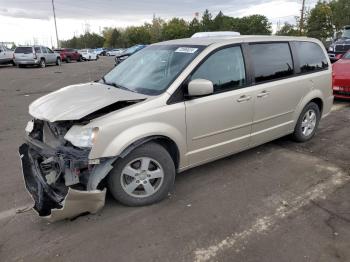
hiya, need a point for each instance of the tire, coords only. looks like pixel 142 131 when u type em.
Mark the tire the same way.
pixel 307 124
pixel 160 165
pixel 80 59
pixel 58 62
pixel 42 63
pixel 68 60
pixel 13 63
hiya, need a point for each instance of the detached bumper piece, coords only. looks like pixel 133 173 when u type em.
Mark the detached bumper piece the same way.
pixel 49 172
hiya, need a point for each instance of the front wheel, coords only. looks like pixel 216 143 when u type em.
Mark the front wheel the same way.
pixel 58 61
pixel 42 63
pixel 143 177
pixel 307 123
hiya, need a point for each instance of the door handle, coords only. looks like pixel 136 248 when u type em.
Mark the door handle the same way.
pixel 263 94
pixel 244 98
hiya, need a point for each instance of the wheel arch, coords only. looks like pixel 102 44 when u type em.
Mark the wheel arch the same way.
pixel 164 141
pixel 315 96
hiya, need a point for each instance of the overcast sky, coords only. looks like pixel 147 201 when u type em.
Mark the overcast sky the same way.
pixel 26 21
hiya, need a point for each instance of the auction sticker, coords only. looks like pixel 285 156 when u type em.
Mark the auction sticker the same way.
pixel 188 50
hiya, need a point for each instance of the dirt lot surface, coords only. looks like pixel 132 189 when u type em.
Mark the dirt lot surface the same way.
pixel 279 202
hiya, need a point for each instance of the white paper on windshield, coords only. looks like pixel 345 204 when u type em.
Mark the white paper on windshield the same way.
pixel 188 50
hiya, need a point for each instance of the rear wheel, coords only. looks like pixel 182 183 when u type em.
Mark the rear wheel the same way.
pixel 307 123
pixel 143 177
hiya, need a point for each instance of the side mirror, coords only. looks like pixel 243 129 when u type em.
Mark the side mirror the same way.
pixel 200 87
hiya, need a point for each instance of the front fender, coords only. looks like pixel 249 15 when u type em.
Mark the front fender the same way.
pixel 131 135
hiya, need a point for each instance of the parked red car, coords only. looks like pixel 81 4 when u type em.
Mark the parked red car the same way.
pixel 69 54
pixel 341 77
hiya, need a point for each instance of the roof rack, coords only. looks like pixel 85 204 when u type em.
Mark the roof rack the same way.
pixel 215 34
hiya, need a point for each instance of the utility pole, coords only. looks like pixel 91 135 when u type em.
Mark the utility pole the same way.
pixel 302 18
pixel 54 18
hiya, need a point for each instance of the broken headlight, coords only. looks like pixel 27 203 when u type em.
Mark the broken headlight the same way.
pixel 82 137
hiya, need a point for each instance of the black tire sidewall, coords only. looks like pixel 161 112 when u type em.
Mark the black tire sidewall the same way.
pixel 42 63
pixel 155 151
pixel 298 134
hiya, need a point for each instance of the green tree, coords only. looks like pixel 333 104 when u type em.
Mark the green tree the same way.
pixel 223 23
pixel 288 30
pixel 112 37
pixel 194 26
pixel 207 21
pixel 254 25
pixel 341 13
pixel 175 28
pixel 319 22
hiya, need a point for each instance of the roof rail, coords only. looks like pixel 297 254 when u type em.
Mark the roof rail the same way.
pixel 215 34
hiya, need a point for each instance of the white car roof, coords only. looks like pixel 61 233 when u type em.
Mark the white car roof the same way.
pixel 206 41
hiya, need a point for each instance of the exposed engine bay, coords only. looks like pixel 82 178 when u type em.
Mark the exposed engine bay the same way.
pixel 56 172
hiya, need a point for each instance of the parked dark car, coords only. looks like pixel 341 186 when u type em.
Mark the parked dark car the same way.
pixel 128 52
pixel 340 44
pixel 69 54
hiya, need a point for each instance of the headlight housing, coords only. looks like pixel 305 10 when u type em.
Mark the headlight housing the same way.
pixel 82 137
pixel 331 49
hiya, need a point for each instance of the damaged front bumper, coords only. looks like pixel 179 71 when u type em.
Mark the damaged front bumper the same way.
pixel 61 181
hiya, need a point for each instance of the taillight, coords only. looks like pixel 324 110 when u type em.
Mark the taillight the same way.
pixel 338 56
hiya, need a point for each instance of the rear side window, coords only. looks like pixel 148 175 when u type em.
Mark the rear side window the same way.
pixel 24 50
pixel 37 49
pixel 311 57
pixel 44 50
pixel 225 68
pixel 271 61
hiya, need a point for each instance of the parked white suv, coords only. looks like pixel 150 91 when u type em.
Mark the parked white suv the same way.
pixel 6 55
pixel 170 107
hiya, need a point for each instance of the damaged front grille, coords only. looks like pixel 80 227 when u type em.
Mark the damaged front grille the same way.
pixel 51 164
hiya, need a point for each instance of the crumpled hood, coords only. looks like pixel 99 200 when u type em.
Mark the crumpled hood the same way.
pixel 76 101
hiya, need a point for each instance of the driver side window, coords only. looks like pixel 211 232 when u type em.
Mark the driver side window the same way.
pixel 225 68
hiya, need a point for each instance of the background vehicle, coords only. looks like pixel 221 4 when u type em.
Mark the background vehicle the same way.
pixel 100 51
pixel 128 52
pixel 88 54
pixel 341 77
pixel 115 52
pixel 6 55
pixel 69 54
pixel 36 55
pixel 340 45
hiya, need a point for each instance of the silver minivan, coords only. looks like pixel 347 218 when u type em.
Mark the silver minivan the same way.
pixel 35 55
pixel 170 107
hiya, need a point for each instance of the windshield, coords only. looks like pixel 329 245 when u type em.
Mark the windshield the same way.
pixel 24 50
pixel 346 33
pixel 132 49
pixel 151 70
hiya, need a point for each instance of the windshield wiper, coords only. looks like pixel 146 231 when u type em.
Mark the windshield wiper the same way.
pixel 115 85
